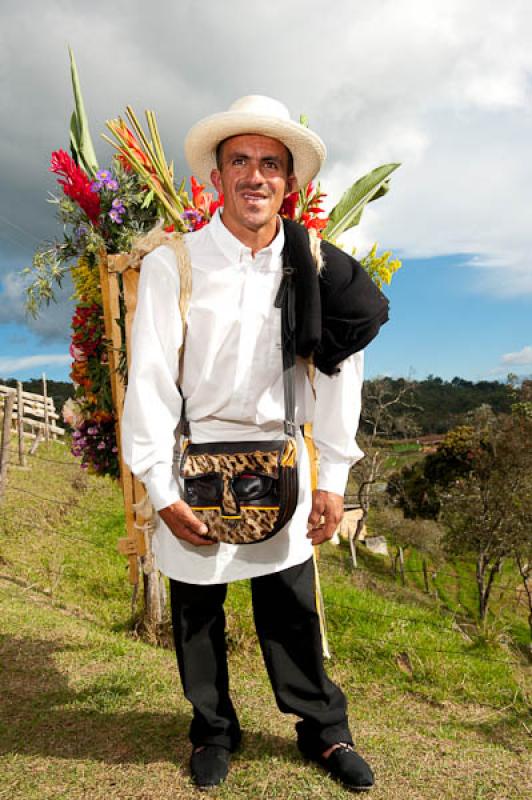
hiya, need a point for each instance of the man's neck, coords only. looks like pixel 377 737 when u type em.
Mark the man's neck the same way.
pixel 254 239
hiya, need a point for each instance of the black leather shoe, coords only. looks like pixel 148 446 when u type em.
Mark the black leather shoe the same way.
pixel 345 765
pixel 209 765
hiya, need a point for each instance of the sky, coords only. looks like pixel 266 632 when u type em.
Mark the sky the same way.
pixel 444 88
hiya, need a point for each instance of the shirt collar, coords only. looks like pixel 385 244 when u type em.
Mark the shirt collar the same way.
pixel 234 250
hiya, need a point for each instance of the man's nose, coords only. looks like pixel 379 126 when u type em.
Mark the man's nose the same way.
pixel 255 173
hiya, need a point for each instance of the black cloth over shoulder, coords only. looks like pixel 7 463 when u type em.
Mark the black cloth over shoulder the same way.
pixel 339 311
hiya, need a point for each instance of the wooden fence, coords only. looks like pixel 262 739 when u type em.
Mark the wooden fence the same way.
pixel 34 415
pixel 30 416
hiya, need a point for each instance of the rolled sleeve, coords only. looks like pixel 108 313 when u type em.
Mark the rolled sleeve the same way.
pixel 336 418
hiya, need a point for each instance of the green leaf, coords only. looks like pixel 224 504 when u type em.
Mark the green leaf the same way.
pixel 347 213
pixel 80 137
pixel 148 199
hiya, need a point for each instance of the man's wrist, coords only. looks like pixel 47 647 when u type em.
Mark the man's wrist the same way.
pixel 333 477
pixel 161 486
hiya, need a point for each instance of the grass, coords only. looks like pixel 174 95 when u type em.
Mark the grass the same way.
pixel 88 711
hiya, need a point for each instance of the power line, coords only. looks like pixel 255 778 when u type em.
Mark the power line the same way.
pixel 18 228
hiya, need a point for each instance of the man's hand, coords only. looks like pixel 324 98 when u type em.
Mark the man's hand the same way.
pixel 184 524
pixel 326 515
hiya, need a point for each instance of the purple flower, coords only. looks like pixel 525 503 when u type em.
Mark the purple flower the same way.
pixel 101 446
pixel 192 217
pixel 104 180
pixel 92 430
pixel 115 216
pixel 76 434
pixel 79 234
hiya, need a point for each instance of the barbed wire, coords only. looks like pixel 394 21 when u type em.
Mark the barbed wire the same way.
pixel 43 458
pixel 63 535
pixel 432 570
pixel 65 503
pixel 387 643
pixel 413 648
pixel 420 649
pixel 43 567
pixel 382 615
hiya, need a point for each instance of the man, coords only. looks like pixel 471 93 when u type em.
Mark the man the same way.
pixel 231 378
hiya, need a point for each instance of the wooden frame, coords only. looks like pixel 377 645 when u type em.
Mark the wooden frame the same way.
pixel 118 282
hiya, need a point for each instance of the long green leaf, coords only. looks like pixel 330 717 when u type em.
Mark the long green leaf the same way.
pixel 347 213
pixel 80 137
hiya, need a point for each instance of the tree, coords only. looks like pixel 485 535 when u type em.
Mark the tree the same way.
pixel 387 407
pixel 479 484
pixel 380 396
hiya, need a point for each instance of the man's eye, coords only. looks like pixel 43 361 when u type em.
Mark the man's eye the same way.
pixel 271 164
pixel 237 162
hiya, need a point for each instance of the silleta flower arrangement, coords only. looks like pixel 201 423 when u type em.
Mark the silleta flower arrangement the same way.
pixel 106 211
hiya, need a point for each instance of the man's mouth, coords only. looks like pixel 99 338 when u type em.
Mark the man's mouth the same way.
pixel 253 197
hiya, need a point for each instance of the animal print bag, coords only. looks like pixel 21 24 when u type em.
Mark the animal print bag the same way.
pixel 245 492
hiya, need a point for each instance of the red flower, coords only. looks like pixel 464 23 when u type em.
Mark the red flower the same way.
pixel 203 201
pixel 215 204
pixel 289 206
pixel 314 222
pixel 76 184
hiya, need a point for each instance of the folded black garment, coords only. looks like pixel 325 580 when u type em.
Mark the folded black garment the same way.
pixel 339 311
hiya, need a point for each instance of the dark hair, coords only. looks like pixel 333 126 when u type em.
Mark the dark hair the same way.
pixel 219 153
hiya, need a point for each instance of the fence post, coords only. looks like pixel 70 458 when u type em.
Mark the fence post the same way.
pixel 402 565
pixel 353 548
pixel 426 577
pixel 20 425
pixel 46 421
pixel 9 401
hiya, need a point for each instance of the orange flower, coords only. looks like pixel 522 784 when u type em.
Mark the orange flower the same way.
pixel 131 144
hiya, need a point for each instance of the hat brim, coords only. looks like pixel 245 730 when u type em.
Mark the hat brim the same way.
pixel 308 150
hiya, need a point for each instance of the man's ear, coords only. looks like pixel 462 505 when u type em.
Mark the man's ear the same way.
pixel 291 185
pixel 216 179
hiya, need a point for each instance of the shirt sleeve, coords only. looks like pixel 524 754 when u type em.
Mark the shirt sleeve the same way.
pixel 336 418
pixel 152 407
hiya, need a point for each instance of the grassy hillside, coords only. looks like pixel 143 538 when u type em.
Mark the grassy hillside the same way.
pixel 91 712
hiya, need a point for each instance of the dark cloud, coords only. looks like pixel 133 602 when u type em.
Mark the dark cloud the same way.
pixel 376 80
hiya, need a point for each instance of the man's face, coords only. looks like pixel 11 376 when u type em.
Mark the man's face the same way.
pixel 254 179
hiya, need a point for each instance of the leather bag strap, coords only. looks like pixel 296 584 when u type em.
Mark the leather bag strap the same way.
pixel 286 301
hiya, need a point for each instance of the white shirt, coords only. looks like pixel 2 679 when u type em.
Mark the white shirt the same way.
pixel 232 381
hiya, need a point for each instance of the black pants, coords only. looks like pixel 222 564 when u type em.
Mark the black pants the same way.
pixel 287 624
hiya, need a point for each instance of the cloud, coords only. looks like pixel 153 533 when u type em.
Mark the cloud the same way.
pixel 443 87
pixel 522 357
pixel 53 322
pixel 14 365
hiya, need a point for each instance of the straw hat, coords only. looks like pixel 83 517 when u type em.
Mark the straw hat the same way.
pixel 254 114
